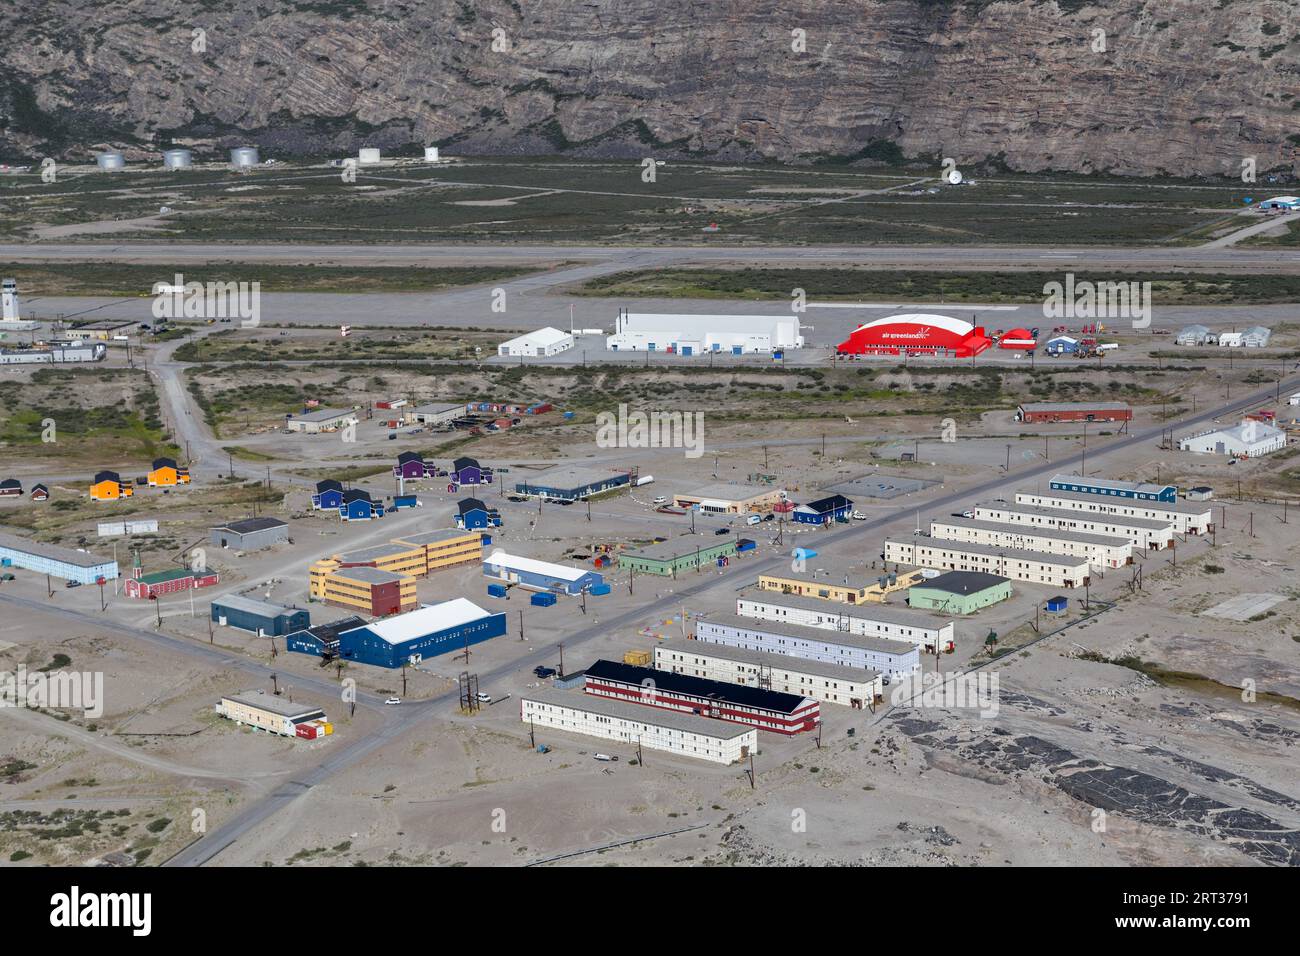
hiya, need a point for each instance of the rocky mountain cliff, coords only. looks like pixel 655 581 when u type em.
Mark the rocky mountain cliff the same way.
pixel 1181 87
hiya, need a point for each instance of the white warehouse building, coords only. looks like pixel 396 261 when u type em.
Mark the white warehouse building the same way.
pixel 718 741
pixel 826 641
pixel 1186 518
pixel 689 335
pixel 539 344
pixel 1144 533
pixel 1101 550
pixel 1033 567
pixel 831 683
pixel 1250 439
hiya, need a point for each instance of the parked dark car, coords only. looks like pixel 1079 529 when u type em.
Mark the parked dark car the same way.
pixel 544 672
pixel 723 531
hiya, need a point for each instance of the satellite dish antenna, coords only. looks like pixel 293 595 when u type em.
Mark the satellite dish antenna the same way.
pixel 954 177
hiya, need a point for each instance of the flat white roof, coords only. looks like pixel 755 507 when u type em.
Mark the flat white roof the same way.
pixel 681 321
pixel 546 336
pixel 1030 530
pixel 638 713
pixel 1068 514
pixel 561 572
pixel 785 662
pixel 322 415
pixel 991 550
pixel 1258 431
pixel 427 620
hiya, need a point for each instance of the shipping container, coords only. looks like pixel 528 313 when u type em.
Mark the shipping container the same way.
pixel 543 599
pixel 497 590
pixel 600 589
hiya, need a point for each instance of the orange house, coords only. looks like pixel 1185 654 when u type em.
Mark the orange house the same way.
pixel 166 474
pixel 108 486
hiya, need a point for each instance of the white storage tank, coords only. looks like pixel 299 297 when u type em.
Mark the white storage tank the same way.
pixel 244 156
pixel 177 159
pixel 110 160
pixel 431 154
pixel 369 155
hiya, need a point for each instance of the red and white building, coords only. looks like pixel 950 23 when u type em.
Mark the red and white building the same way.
pixel 916 334
pixel 756 707
pixel 1019 339
pixel 174 581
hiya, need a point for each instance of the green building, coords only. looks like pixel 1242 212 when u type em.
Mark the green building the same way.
pixel 959 592
pixel 671 558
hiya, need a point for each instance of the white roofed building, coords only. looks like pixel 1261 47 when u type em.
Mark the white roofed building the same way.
pixel 688 335
pixel 543 342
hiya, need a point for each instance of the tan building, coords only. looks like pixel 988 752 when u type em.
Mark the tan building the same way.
pixel 276 715
pixel 838 588
pixel 1101 550
pixel 730 499
pixel 1035 567
pixel 367 591
pixel 831 683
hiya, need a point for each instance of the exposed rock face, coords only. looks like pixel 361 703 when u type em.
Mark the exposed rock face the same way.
pixel 1182 87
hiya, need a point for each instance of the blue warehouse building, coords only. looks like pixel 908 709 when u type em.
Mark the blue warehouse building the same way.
pixel 425 632
pixel 539 575
pixel 259 617
pixel 571 484
pixel 322 640
pixel 1135 490
pixel 80 566
pixel 823 510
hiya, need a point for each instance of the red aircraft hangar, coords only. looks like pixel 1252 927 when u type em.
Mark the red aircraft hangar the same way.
pixel 940 335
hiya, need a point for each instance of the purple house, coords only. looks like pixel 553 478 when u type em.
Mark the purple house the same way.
pixel 466 471
pixel 410 466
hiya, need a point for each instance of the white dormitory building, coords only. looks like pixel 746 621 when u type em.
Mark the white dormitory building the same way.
pixel 1032 567
pixel 1186 517
pixel 1250 439
pixel 539 344
pixel 689 335
pixel 876 622
pixel 1101 550
pixel 653 728
pixel 1145 534
pixel 829 683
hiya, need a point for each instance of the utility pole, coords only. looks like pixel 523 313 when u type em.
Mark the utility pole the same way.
pixel 561 658
pixel 521 624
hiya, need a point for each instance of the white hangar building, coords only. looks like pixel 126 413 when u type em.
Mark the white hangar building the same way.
pixel 689 335
pixel 539 344
pixel 1250 439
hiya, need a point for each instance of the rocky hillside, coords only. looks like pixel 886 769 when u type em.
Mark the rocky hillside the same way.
pixel 1182 86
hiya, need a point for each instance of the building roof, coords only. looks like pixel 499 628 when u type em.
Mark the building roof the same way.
pixel 162 577
pixel 561 572
pixel 1248 433
pixel 963 582
pixel 543 337
pixel 368 575
pixel 829 503
pixel 834 580
pixel 406 456
pixel 249 525
pixel 1000 551
pixel 356 494
pixel 466 505
pixel 1068 514
pixel 1139 487
pixel 280 706
pixel 107 476
pixel 375 552
pixel 1047 407
pixel 824 635
pixel 322 415
pixel 11 483
pixel 427 619
pixel 328 633
pixel 639 713
pixel 164 463
pixel 437 409
pixel 1009 527
pixel 329 484
pixel 53 552
pixel 945 322
pixel 678 547
pixel 570 477
pixel 883 613
pixel 433 537
pixel 729 491
pixel 743 655
pixel 241 602
pixel 460 463
pixel 775 701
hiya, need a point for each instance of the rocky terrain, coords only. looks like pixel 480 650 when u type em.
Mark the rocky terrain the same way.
pixel 1181 87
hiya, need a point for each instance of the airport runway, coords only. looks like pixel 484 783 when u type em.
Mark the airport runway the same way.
pixel 633 257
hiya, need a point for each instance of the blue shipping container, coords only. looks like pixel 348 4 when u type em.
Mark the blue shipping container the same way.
pixel 497 590
pixel 543 599
pixel 600 589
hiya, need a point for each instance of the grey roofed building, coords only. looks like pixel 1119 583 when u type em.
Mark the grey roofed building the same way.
pixel 639 713
pixel 250 534
pixel 1193 335
pixel 744 655
pixel 882 645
